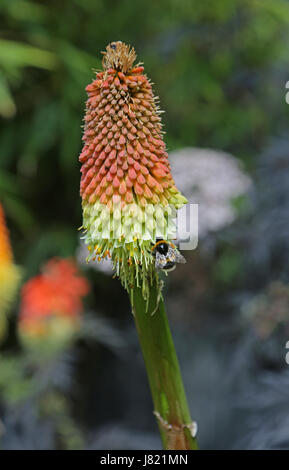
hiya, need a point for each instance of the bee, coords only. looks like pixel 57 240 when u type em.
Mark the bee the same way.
pixel 166 255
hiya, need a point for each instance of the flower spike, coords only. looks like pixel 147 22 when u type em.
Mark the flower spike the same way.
pixel 128 193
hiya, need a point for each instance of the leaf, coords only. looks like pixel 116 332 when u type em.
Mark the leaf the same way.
pixel 19 54
pixel 7 105
pixel 8 183
pixel 19 213
pixel 22 10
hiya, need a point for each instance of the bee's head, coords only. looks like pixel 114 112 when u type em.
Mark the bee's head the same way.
pixel 162 247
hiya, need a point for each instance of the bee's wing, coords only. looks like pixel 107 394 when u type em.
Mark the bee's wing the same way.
pixel 161 261
pixel 175 256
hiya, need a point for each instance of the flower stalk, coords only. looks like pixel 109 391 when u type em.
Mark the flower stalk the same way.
pixel 170 404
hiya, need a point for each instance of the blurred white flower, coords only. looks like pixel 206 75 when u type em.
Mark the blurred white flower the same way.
pixel 212 179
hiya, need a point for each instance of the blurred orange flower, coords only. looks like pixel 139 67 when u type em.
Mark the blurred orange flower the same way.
pixel 5 247
pixel 9 273
pixel 52 300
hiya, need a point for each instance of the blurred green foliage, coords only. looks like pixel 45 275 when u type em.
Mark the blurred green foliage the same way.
pixel 214 68
pixel 219 68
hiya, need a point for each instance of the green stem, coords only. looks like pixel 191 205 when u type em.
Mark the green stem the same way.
pixel 169 398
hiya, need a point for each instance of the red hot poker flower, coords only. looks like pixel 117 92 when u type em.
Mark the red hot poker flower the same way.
pixel 124 161
pixel 9 273
pixel 57 292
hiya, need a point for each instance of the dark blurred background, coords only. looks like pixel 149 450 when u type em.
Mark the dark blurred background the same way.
pixel 220 70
